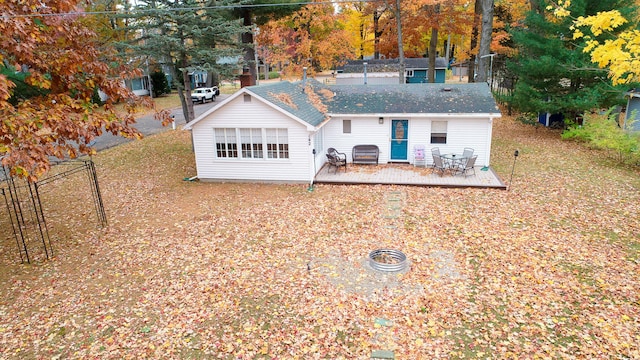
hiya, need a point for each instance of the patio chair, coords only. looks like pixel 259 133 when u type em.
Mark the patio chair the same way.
pixel 436 152
pixel 467 167
pixel 467 153
pixel 438 165
pixel 336 159
pixel 339 155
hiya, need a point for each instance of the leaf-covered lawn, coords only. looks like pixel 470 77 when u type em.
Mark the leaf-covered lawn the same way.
pixel 549 269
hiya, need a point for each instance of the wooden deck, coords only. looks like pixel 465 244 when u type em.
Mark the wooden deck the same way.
pixel 405 174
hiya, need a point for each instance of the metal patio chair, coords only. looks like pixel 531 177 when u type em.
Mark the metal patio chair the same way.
pixel 468 166
pixel 438 165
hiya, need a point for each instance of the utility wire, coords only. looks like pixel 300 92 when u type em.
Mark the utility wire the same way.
pixel 5 16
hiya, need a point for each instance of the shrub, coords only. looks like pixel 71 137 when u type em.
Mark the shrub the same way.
pixel 603 132
pixel 274 74
pixel 160 83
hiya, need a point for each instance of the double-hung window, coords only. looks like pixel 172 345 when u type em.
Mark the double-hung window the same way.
pixel 251 142
pixel 226 143
pixel 277 144
pixel 438 132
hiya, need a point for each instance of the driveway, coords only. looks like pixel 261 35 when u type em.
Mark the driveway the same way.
pixel 147 125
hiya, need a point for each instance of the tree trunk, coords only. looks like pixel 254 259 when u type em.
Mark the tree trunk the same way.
pixel 474 40
pixel 401 71
pixel 376 34
pixel 536 6
pixel 433 46
pixel 485 41
pixel 187 104
pixel 361 40
pixel 247 41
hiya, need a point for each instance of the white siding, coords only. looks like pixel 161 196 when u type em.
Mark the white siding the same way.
pixel 461 132
pixel 254 114
pixel 372 78
pixel 364 131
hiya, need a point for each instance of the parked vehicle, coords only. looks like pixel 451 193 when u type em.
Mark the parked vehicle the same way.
pixel 203 95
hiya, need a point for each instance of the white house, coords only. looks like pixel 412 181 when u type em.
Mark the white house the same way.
pixel 385 71
pixel 280 132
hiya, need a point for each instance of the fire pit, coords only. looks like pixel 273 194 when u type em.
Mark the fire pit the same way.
pixel 388 260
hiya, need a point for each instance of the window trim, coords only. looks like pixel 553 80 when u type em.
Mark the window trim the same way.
pixel 439 136
pixel 346 127
pixel 257 144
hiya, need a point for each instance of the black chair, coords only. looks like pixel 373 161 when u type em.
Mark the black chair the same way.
pixel 336 159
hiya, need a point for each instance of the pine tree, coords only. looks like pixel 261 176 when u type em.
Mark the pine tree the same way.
pixel 187 35
pixel 553 73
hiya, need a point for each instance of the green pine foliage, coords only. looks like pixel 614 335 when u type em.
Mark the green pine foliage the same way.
pixel 185 36
pixel 160 83
pixel 22 90
pixel 553 73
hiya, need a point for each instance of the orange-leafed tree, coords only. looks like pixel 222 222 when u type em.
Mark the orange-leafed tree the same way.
pixel 46 48
pixel 313 37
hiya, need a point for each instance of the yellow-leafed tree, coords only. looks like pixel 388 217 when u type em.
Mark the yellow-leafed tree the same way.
pixel 612 39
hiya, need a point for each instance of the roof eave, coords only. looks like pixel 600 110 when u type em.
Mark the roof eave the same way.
pixel 429 115
pixel 191 124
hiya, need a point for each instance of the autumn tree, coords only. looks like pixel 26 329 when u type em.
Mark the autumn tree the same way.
pixel 359 23
pixel 185 36
pixel 554 74
pixel 256 13
pixel 426 23
pixel 612 39
pixel 312 37
pixel 49 48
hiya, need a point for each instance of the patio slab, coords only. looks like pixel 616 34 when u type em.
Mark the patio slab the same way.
pixel 406 174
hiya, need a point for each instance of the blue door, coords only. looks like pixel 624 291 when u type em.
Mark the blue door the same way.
pixel 399 142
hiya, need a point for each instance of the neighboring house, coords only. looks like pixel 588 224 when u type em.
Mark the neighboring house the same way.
pixel 281 131
pixel 386 71
pixel 199 78
pixel 140 86
pixel 632 116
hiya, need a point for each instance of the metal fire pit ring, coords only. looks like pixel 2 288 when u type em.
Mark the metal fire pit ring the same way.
pixel 388 260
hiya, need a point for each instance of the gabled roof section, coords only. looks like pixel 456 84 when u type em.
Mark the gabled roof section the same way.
pixel 475 98
pixel 304 106
pixel 302 99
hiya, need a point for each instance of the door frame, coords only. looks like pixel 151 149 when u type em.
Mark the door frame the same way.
pixel 404 137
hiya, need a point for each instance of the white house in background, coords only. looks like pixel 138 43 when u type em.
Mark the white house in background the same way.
pixel 385 71
pixel 280 132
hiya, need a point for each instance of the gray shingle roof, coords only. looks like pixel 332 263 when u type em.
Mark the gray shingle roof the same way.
pixel 319 100
pixel 412 99
pixel 291 98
